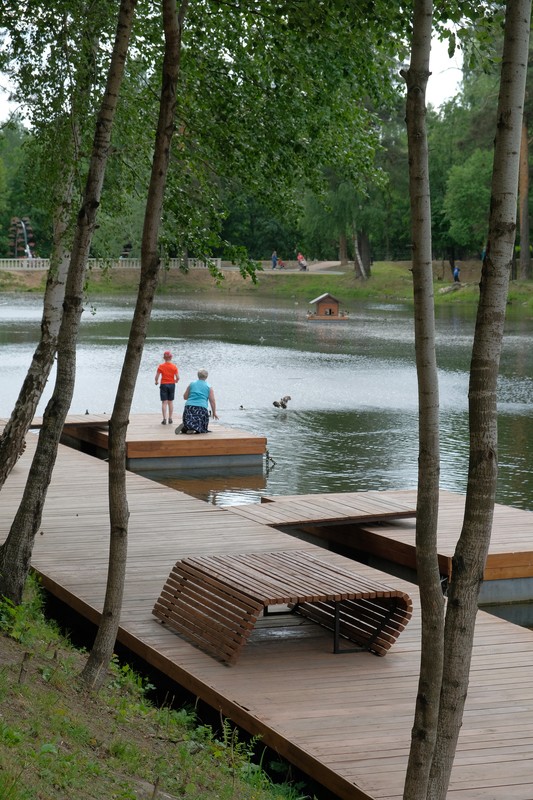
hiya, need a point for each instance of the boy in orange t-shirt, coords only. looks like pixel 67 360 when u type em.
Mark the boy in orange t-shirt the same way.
pixel 168 372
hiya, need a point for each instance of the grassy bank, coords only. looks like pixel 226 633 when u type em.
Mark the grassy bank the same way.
pixel 389 282
pixel 58 741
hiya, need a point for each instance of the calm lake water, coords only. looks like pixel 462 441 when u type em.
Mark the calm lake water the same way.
pixel 352 421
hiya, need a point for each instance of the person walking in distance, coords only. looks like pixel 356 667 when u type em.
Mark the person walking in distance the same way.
pixel 301 262
pixel 168 373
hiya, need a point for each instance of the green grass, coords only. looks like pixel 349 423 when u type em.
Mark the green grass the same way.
pixel 58 741
pixel 389 282
pixel 520 300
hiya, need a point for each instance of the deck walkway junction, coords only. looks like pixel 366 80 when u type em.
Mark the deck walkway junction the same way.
pixel 508 576
pixel 344 719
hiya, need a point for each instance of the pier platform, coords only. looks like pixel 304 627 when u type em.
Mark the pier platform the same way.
pixel 151 446
pixel 346 719
pixel 389 538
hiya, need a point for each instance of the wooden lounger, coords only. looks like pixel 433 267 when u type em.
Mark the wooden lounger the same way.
pixel 215 601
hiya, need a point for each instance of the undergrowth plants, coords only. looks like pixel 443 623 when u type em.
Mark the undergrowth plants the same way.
pixel 58 741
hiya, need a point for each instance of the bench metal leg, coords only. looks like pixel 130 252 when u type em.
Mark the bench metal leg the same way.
pixel 336 634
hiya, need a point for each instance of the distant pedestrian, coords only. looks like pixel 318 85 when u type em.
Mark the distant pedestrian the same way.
pixel 456 273
pixel 274 260
pixel 301 262
pixel 168 373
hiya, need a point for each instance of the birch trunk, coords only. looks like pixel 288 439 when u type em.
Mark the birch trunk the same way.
pixel 15 553
pixel 523 199
pixel 358 265
pixel 94 671
pixel 471 551
pixel 364 250
pixel 424 731
pixel 13 436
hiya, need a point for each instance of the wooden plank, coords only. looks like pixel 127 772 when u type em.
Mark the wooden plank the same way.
pixel 147 439
pixel 345 508
pixel 78 420
pixel 510 554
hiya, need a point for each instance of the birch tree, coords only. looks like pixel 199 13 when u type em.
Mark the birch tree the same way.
pixel 432 602
pixel 446 652
pixel 470 554
pixel 60 129
pixel 94 673
pixel 15 553
pixel 523 196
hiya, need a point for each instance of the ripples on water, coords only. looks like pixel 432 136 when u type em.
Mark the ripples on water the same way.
pixel 352 421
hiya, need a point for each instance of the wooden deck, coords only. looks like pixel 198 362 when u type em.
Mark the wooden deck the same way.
pixel 345 720
pixel 511 548
pixel 151 446
pixel 345 508
pixel 323 318
pixel 391 537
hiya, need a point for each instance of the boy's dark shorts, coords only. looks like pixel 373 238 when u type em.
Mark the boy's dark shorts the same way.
pixel 167 391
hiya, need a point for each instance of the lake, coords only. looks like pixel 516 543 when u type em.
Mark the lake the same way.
pixel 351 423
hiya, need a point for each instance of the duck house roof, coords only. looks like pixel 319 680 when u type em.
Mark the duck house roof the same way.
pixel 323 297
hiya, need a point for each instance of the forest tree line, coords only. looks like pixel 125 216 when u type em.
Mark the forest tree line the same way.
pixel 326 218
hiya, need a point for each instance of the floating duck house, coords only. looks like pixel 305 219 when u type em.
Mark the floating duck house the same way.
pixel 327 308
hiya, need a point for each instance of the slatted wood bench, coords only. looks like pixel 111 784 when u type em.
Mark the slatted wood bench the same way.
pixel 214 601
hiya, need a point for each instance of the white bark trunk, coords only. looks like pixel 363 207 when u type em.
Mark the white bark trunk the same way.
pixel 470 555
pixel 15 553
pixel 523 197
pixel 13 436
pixel 424 730
pixel 94 671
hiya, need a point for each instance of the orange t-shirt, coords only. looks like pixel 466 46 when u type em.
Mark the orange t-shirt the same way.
pixel 169 372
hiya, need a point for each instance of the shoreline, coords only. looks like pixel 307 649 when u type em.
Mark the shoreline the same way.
pixel 389 282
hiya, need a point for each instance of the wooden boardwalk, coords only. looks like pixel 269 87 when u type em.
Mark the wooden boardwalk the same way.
pixel 511 549
pixel 344 719
pixel 347 508
pixel 150 445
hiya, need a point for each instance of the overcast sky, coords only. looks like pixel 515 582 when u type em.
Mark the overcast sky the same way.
pixel 445 74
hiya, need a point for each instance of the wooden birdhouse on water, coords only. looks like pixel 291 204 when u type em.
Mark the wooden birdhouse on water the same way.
pixel 327 308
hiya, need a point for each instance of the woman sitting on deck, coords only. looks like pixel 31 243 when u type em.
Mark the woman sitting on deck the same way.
pixel 198 395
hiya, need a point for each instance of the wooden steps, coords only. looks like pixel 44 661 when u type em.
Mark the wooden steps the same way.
pixel 325 509
pixel 382 524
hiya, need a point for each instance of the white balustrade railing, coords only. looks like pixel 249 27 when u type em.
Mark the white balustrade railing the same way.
pixel 32 264
pixel 26 264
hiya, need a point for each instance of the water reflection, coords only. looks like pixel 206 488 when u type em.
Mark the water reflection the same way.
pixel 352 421
pixel 220 491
